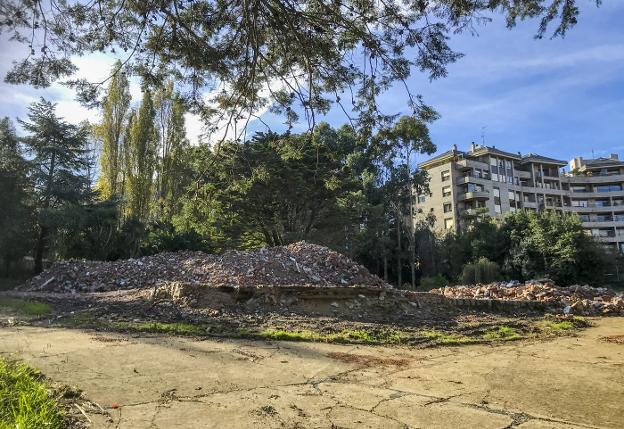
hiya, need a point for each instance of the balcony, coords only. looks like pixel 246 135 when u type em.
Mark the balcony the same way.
pixel 474 195
pixel 471 163
pixel 595 179
pixel 471 179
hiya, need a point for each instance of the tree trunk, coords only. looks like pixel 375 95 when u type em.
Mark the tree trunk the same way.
pixel 399 265
pixel 40 249
pixel 385 267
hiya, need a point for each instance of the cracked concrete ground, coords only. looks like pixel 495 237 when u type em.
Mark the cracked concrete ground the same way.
pixel 172 382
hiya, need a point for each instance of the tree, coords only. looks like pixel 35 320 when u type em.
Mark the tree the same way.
pixel 173 142
pixel 552 245
pixel 277 189
pixel 141 161
pixel 15 189
pixel 58 165
pixel 306 53
pixel 110 131
pixel 398 144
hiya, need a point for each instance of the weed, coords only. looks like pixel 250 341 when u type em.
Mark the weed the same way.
pixel 504 333
pixel 344 336
pixel 448 339
pixel 26 308
pixel 176 328
pixel 26 400
pixel 563 325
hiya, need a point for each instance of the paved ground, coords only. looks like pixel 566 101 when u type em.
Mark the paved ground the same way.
pixel 168 382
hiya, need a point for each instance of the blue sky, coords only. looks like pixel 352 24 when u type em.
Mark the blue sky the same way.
pixel 557 97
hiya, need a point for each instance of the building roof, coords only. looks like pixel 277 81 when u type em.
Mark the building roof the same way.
pixel 601 162
pixel 442 157
pixel 543 159
pixel 482 150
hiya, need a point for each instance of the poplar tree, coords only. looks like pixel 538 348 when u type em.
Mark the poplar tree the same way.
pixel 173 142
pixel 110 131
pixel 141 160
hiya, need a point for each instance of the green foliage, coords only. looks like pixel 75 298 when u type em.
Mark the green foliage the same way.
pixel 505 333
pixel 25 307
pixel 173 172
pixel 252 49
pixel 57 170
pixel 16 213
pixel 25 400
pixel 554 246
pixel 276 189
pixel 141 160
pixel 481 271
pixel 434 282
pixel 343 336
pixel 163 237
pixel 110 131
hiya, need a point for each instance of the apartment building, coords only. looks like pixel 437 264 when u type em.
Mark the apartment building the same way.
pixel 489 180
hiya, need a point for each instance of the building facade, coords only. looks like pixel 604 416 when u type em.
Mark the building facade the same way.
pixel 494 182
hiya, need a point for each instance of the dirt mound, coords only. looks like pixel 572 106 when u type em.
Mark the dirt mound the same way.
pixel 298 264
pixel 584 300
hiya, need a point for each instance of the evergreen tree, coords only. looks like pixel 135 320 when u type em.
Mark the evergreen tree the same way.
pixel 15 211
pixel 110 131
pixel 141 161
pixel 58 169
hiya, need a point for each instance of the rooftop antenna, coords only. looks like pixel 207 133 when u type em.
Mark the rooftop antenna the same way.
pixel 483 134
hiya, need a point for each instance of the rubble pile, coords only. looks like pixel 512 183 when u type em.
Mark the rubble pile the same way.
pixel 582 300
pixel 298 264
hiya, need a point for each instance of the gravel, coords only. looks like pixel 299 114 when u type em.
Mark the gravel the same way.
pixel 298 264
pixel 582 300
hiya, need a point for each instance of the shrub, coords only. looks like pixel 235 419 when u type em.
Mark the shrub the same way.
pixel 433 282
pixel 481 271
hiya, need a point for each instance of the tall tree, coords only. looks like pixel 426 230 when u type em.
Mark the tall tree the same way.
pixel 15 210
pixel 398 146
pixel 276 189
pixel 110 131
pixel 58 164
pixel 173 142
pixel 314 50
pixel 141 160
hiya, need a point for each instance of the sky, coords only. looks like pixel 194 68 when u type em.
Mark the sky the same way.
pixel 560 97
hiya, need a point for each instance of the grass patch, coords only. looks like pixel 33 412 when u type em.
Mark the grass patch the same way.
pixel 25 400
pixel 446 338
pixel 504 333
pixel 344 336
pixel 553 325
pixel 26 308
pixel 177 328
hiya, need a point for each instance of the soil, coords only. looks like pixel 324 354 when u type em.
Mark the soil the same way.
pixel 155 381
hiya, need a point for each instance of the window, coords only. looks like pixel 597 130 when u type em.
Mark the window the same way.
pixel 448 223
pixel 446 175
pixel 608 188
pixel 578 189
pixel 584 218
pixel 512 195
pixel 579 203
pixel 446 191
pixel 448 207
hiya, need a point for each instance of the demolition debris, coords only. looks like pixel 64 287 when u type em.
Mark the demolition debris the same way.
pixel 581 300
pixel 299 264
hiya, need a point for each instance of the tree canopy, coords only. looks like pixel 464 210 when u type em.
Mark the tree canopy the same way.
pixel 293 56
